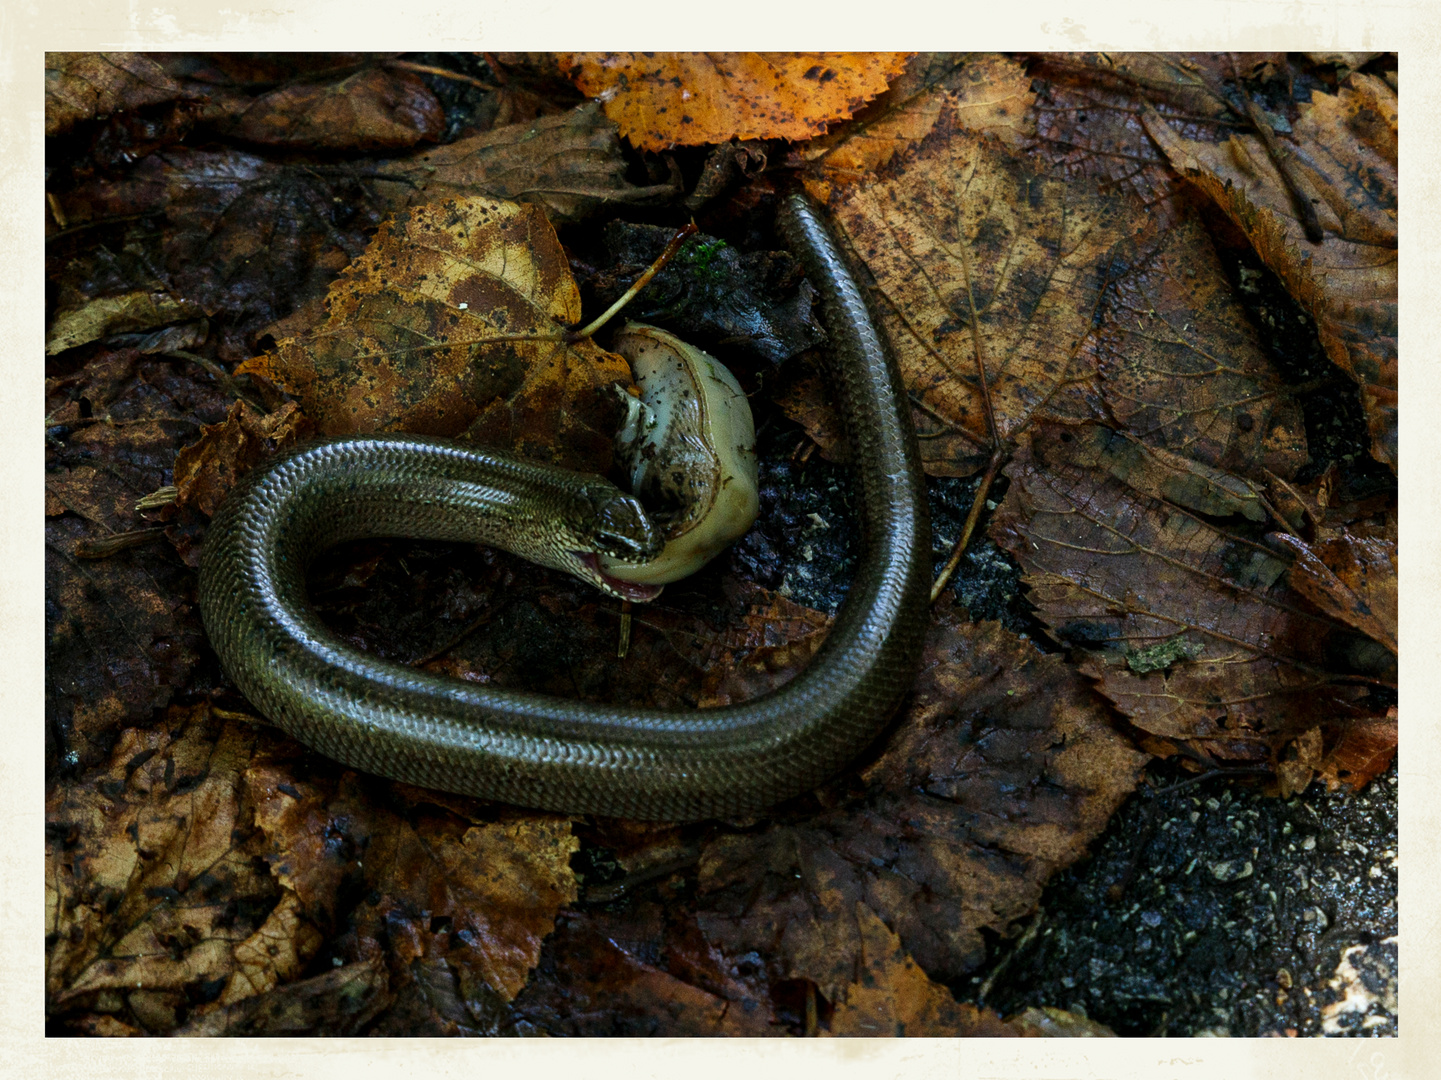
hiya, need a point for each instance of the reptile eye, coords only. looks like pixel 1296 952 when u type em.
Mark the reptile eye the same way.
pixel 624 532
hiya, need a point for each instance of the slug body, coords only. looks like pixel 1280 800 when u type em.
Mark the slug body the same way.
pixel 545 752
pixel 689 444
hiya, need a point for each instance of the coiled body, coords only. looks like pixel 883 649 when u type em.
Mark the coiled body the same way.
pixel 545 752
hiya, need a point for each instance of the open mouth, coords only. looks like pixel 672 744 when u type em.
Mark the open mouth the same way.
pixel 629 590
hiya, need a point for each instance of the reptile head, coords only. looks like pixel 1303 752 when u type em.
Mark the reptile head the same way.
pixel 615 530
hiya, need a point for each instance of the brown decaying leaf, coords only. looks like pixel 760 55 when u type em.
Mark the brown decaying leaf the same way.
pixel 989 95
pixel 152 885
pixel 122 633
pixel 1048 1022
pixel 472 900
pixel 82 86
pixel 1087 118
pixel 632 974
pixel 427 333
pixel 250 240
pixel 194 877
pixel 570 163
pixel 662 100
pixel 1113 570
pixel 376 108
pixel 1364 750
pixel 1050 282
pixel 339 1002
pixel 1353 578
pixel 1002 771
pixel 1181 365
pixel 1163 475
pixel 206 469
pixel 775 641
pixel 894 997
pixel 141 310
pixel 244 238
pixel 1345 148
pixel 972 254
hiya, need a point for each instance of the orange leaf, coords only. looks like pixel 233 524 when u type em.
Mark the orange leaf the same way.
pixel 668 99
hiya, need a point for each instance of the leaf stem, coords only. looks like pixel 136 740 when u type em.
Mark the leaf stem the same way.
pixel 977 502
pixel 641 282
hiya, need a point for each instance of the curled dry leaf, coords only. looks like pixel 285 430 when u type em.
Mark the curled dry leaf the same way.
pixel 1353 578
pixel 1132 577
pixel 452 323
pixel 1345 148
pixel 1002 771
pixel 376 108
pixel 82 86
pixel 662 100
pixel 205 470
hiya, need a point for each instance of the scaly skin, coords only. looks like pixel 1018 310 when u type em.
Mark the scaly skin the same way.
pixel 545 752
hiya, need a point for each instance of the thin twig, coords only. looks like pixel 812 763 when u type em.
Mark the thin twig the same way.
pixel 978 501
pixel 641 282
pixel 444 73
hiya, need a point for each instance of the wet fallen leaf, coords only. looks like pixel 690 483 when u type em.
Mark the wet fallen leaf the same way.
pixel 624 975
pixel 246 239
pixel 980 265
pixel 374 109
pixel 893 997
pixel 1118 572
pixel 662 100
pixel 339 1002
pixel 82 86
pixel 452 323
pixel 1164 475
pixel 1364 749
pixel 569 163
pixel 1087 119
pixel 1345 148
pixel 1002 771
pixel 122 633
pixel 1041 292
pixel 1182 368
